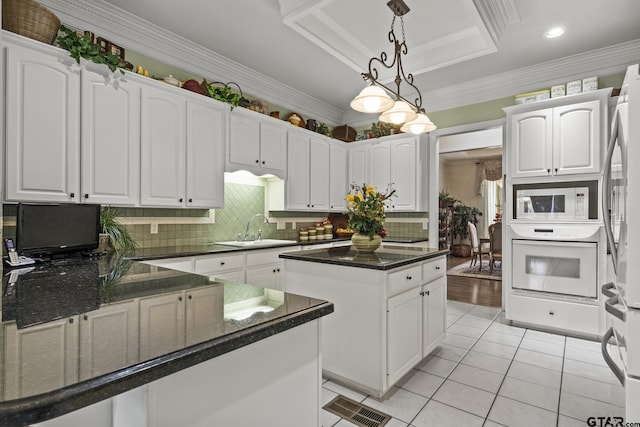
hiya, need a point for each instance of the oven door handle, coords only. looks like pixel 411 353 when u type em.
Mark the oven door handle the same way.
pixel 606 200
pixel 610 307
pixel 607 290
pixel 608 359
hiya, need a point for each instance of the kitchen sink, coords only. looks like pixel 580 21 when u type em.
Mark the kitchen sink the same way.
pixel 256 243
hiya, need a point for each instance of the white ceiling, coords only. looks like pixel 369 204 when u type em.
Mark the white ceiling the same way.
pixel 311 52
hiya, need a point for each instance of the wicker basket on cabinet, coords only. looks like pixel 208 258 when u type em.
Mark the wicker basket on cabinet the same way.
pixel 30 19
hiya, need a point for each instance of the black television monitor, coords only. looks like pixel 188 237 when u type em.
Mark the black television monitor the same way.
pixel 54 229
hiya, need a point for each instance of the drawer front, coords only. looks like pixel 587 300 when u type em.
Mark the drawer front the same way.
pixel 210 264
pixel 180 264
pixel 434 269
pixel 561 315
pixel 232 276
pixel 263 257
pixel 400 281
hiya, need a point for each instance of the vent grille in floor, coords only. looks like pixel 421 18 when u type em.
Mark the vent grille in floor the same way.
pixel 357 413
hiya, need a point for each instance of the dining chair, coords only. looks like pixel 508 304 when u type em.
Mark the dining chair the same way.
pixel 478 246
pixel 495 244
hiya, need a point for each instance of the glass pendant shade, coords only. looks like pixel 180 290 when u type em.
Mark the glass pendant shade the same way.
pixel 372 99
pixel 400 112
pixel 420 125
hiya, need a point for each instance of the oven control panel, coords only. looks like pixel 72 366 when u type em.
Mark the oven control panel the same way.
pixel 582 232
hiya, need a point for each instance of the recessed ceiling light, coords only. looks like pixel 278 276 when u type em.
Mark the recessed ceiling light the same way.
pixel 554 32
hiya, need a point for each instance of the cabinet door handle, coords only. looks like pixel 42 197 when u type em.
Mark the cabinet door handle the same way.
pixel 86 196
pixel 86 317
pixel 190 200
pixel 437 267
pixel 71 320
pixel 221 262
pixel 548 170
pixel 408 277
pixel 179 298
pixel 190 296
pixel 258 161
pixel 72 195
pixel 428 292
pixel 263 162
pixel 421 294
pixel 278 270
pixel 180 199
pixel 274 270
pixel 551 313
pixel 556 170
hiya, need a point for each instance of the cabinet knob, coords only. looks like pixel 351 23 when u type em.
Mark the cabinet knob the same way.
pixel 86 317
pixel 437 267
pixel 86 196
pixel 190 296
pixel 179 298
pixel 556 170
pixel 548 170
pixel 257 161
pixel 428 293
pixel 551 313
pixel 408 277
pixel 263 162
pixel 180 199
pixel 278 270
pixel 72 195
pixel 190 200
pixel 274 270
pixel 221 262
pixel 71 320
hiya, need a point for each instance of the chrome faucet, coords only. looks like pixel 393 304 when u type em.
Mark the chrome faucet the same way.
pixel 246 232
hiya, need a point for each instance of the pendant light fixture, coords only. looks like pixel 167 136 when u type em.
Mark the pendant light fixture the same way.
pixel 375 98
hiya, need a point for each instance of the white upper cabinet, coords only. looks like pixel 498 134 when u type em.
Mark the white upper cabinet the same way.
pixel 404 174
pixel 558 140
pixel 182 150
pixel 396 163
pixel 163 144
pixel 576 138
pixel 42 126
pixel 308 172
pixel 256 144
pixel 338 183
pixel 358 163
pixel 206 131
pixel 110 138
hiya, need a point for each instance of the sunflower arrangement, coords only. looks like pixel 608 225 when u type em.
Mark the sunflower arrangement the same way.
pixel 366 209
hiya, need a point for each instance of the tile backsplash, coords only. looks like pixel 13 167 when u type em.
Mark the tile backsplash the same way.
pixel 178 227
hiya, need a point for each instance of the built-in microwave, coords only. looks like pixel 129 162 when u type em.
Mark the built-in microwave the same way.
pixel 571 201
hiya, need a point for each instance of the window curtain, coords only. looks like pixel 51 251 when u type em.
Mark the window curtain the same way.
pixel 487 170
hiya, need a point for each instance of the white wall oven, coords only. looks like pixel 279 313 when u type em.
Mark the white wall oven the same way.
pixel 559 260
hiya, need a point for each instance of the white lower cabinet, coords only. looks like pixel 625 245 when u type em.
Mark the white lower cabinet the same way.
pixel 415 320
pixel 108 339
pixel 161 324
pixel 268 276
pixel 30 353
pixel 384 323
pixel 434 301
pixel 404 330
pixel 204 314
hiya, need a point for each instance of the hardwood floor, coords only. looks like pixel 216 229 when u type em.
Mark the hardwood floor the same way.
pixel 471 290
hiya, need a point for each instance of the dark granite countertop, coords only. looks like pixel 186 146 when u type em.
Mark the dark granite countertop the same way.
pixel 193 250
pixel 385 258
pixel 70 292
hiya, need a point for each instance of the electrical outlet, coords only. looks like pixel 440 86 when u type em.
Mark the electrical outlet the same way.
pixel 154 228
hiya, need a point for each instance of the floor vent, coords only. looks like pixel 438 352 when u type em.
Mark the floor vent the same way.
pixel 357 413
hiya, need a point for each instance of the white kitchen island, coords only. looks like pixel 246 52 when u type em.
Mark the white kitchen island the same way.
pixel 390 309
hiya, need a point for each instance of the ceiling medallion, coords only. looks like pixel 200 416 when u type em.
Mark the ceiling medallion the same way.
pixel 375 97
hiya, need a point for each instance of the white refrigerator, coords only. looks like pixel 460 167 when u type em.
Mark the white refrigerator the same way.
pixel 621 205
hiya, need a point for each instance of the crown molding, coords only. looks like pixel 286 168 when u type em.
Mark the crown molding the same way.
pixel 151 40
pixel 132 32
pixel 496 15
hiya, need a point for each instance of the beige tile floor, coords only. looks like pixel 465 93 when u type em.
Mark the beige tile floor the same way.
pixel 488 373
